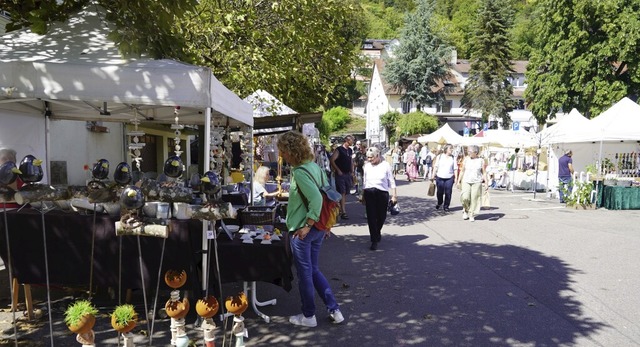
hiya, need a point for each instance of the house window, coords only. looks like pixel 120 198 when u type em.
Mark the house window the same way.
pixel 445 106
pixel 406 106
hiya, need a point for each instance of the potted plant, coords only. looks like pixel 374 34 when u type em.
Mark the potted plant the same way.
pixel 80 316
pixel 581 196
pixel 123 318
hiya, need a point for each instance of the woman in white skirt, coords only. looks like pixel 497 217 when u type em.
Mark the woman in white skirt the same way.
pixel 473 176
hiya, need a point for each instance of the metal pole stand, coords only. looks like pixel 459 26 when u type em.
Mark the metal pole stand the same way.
pixel 127 340
pixel 208 328
pixel 254 300
pixel 239 330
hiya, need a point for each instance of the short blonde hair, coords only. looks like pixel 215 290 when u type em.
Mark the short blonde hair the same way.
pixel 261 175
pixel 296 146
pixel 373 152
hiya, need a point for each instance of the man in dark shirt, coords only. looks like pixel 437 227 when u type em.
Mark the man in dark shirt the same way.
pixel 565 174
pixel 342 166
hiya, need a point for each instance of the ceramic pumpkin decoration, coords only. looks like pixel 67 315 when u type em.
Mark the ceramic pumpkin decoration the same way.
pixel 175 279
pixel 237 304
pixel 207 307
pixel 177 309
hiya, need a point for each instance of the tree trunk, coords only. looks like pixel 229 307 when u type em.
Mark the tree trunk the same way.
pixel 40 192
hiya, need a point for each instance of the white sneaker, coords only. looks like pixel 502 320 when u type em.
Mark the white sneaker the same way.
pixel 300 319
pixel 465 215
pixel 336 316
pixel 471 218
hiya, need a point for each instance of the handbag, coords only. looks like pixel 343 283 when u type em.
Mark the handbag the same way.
pixel 486 201
pixel 393 208
pixel 431 189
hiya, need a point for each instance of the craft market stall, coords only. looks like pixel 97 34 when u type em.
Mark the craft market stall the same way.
pixel 67 101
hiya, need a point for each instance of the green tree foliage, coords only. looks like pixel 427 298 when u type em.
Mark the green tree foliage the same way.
pixel 421 60
pixel 454 20
pixel 337 118
pixel 586 56
pixel 521 36
pixel 488 89
pixel 389 121
pixel 384 20
pixel 416 123
pixel 299 51
pixel 141 26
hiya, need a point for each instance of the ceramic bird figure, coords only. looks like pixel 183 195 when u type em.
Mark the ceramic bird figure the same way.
pixel 100 169
pixel 131 198
pixel 122 174
pixel 173 167
pixel 210 184
pixel 8 173
pixel 31 169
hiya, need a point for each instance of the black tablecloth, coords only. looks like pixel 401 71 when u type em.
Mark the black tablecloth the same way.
pixel 69 237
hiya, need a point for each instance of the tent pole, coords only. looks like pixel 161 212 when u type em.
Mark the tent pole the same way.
pixel 599 163
pixel 207 166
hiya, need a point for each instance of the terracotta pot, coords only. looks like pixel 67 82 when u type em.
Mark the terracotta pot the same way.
pixel 85 324
pixel 177 309
pixel 123 329
pixel 207 307
pixel 237 304
pixel 175 279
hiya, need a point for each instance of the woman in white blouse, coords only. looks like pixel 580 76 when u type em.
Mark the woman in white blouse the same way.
pixel 260 193
pixel 472 176
pixel 378 183
pixel 445 172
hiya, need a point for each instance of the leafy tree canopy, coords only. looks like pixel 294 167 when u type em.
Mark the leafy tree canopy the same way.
pixel 421 60
pixel 416 123
pixel 586 56
pixel 298 51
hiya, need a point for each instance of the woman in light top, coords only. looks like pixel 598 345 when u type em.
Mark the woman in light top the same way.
pixel 472 176
pixel 260 193
pixel 378 183
pixel 445 172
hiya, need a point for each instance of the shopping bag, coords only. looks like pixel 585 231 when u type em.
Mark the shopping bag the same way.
pixel 486 201
pixel 431 190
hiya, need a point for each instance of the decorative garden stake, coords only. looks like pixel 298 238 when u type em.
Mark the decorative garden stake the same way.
pixel 237 305
pixel 123 320
pixel 177 309
pixel 207 308
pixel 80 319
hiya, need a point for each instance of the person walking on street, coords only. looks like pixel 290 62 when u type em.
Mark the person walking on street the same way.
pixel 343 167
pixel 378 183
pixel 472 176
pixel 395 160
pixel 445 172
pixel 428 163
pixel 360 158
pixel 411 161
pixel 305 204
pixel 565 174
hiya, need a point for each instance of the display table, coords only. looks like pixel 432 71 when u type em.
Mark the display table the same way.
pixel 620 198
pixel 69 237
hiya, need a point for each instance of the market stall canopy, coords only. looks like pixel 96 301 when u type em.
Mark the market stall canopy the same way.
pixel 564 129
pixel 75 72
pixel 443 135
pixel 621 122
pixel 505 138
pixel 271 116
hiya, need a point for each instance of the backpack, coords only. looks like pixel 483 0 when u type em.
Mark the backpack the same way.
pixel 330 203
pixel 428 160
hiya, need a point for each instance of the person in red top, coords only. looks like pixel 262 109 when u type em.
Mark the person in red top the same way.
pixel 8 154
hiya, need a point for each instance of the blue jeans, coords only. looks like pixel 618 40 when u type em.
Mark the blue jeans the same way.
pixel 564 181
pixel 305 257
pixel 443 192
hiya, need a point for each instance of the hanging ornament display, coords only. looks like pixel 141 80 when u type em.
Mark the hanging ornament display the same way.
pixel 246 146
pixel 135 145
pixel 216 154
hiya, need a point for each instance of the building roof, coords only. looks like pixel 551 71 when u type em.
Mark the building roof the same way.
pixel 452 82
pixel 463 66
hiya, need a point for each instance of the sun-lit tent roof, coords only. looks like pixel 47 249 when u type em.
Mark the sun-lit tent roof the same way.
pixel 443 135
pixel 504 138
pixel 564 129
pixel 76 72
pixel 621 122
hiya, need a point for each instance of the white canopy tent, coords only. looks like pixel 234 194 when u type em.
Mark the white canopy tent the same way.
pixel 504 138
pixel 76 73
pixel 621 122
pixel 564 129
pixel 443 135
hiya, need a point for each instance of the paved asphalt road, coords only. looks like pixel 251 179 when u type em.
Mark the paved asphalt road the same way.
pixel 525 273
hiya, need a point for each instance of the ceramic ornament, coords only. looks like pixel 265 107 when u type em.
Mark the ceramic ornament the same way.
pixel 177 309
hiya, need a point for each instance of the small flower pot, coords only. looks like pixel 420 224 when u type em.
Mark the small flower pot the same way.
pixel 84 325
pixel 123 329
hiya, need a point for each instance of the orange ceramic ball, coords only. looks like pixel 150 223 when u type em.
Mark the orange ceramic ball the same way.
pixel 207 307
pixel 237 304
pixel 175 279
pixel 177 309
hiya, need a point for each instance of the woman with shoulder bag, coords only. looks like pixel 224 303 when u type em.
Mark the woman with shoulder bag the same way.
pixel 307 238
pixel 445 172
pixel 378 182
pixel 472 176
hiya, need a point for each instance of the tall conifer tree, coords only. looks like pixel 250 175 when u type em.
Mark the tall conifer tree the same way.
pixel 488 89
pixel 421 60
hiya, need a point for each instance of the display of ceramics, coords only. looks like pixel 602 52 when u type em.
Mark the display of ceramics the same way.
pixel 236 304
pixel 175 279
pixel 207 307
pixel 177 309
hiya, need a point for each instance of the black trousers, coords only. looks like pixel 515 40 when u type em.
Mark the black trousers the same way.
pixel 376 202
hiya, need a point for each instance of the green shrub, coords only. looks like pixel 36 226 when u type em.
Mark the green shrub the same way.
pixel 77 310
pixel 337 118
pixel 124 314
